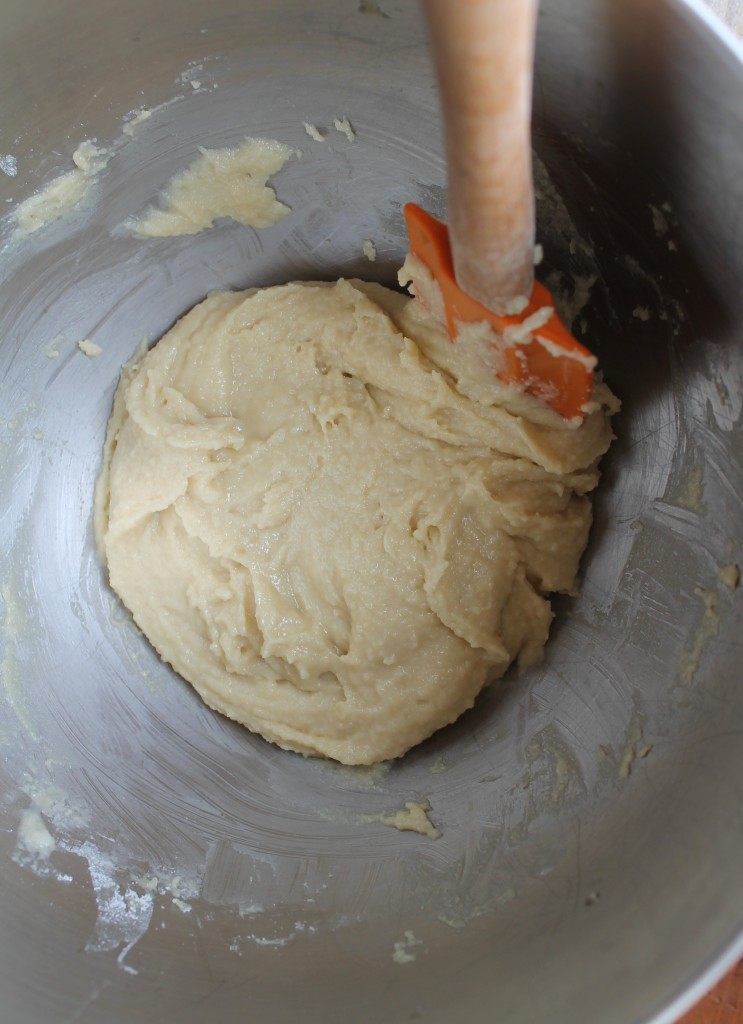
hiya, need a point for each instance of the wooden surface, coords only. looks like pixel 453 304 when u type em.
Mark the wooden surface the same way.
pixel 484 56
pixel 723 1005
pixel 730 11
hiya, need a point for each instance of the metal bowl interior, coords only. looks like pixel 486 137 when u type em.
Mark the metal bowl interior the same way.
pixel 160 861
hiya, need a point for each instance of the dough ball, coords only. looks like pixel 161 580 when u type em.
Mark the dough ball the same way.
pixel 327 525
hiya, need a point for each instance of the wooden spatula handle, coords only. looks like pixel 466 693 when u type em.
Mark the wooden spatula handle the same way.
pixel 484 55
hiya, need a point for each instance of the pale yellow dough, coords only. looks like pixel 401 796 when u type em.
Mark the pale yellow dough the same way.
pixel 230 182
pixel 334 540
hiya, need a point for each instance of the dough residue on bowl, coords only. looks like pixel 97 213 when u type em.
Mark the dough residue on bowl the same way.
pixel 403 950
pixel 707 629
pixel 137 118
pixel 344 126
pixel 327 518
pixel 61 195
pixel 413 817
pixel 89 348
pixel 313 131
pixel 730 576
pixel 229 182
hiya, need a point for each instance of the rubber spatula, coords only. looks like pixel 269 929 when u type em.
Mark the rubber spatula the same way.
pixel 484 262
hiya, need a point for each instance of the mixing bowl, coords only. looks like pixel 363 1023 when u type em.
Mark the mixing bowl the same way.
pixel 161 863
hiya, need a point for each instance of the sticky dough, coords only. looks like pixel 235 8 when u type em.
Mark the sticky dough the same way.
pixel 330 527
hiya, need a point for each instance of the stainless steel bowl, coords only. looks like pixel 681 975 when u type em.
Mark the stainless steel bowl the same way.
pixel 159 862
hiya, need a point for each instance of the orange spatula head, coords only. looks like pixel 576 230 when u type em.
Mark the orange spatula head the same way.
pixel 547 363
